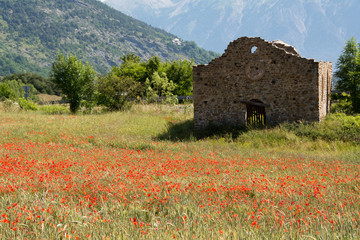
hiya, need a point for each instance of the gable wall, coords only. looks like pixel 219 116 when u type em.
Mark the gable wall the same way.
pixel 288 83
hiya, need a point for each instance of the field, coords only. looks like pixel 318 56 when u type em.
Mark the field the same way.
pixel 141 174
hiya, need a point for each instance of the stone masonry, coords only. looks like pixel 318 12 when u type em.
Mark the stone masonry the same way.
pixel 269 75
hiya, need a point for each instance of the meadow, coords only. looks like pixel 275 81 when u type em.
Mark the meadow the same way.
pixel 142 174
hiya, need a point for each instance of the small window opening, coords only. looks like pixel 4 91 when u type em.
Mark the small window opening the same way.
pixel 205 102
pixel 254 49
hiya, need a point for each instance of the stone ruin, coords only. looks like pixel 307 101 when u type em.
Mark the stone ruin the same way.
pixel 260 82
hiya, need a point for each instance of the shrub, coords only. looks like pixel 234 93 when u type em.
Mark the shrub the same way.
pixel 27 105
pixel 171 100
pixel 335 127
pixel 54 109
pixel 346 128
pixel 88 106
pixel 9 106
pixel 342 103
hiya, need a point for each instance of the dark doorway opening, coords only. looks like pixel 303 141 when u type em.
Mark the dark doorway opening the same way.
pixel 256 112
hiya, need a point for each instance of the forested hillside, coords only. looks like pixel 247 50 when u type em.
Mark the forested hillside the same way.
pixel 33 32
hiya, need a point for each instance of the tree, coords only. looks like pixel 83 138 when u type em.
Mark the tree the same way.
pixel 17 90
pixel 153 65
pixel 159 86
pixel 131 67
pixel 348 73
pixel 41 84
pixel 130 57
pixel 157 77
pixel 73 78
pixel 181 73
pixel 6 92
pixel 116 91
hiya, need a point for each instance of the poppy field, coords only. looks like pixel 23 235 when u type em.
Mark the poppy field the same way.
pixel 107 177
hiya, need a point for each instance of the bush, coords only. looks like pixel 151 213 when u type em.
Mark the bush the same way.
pixel 9 106
pixel 88 106
pixel 345 128
pixel 342 103
pixel 54 109
pixel 337 126
pixel 27 105
pixel 171 100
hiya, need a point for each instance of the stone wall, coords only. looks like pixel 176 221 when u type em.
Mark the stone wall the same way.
pixel 325 84
pixel 291 87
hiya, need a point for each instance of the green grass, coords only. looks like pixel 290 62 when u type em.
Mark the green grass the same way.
pixel 338 136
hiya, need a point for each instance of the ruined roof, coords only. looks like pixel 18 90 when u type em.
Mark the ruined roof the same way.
pixel 286 47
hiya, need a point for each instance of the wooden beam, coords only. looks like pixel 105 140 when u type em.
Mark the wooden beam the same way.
pixel 255 103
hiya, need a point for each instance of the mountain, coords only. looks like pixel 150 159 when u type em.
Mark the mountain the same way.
pixel 316 28
pixel 33 32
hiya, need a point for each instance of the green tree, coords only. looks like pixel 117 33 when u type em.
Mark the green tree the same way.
pixel 6 92
pixel 348 73
pixel 158 78
pixel 116 91
pixel 181 73
pixel 153 65
pixel 131 67
pixel 40 83
pixel 73 78
pixel 130 57
pixel 16 87
pixel 159 86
